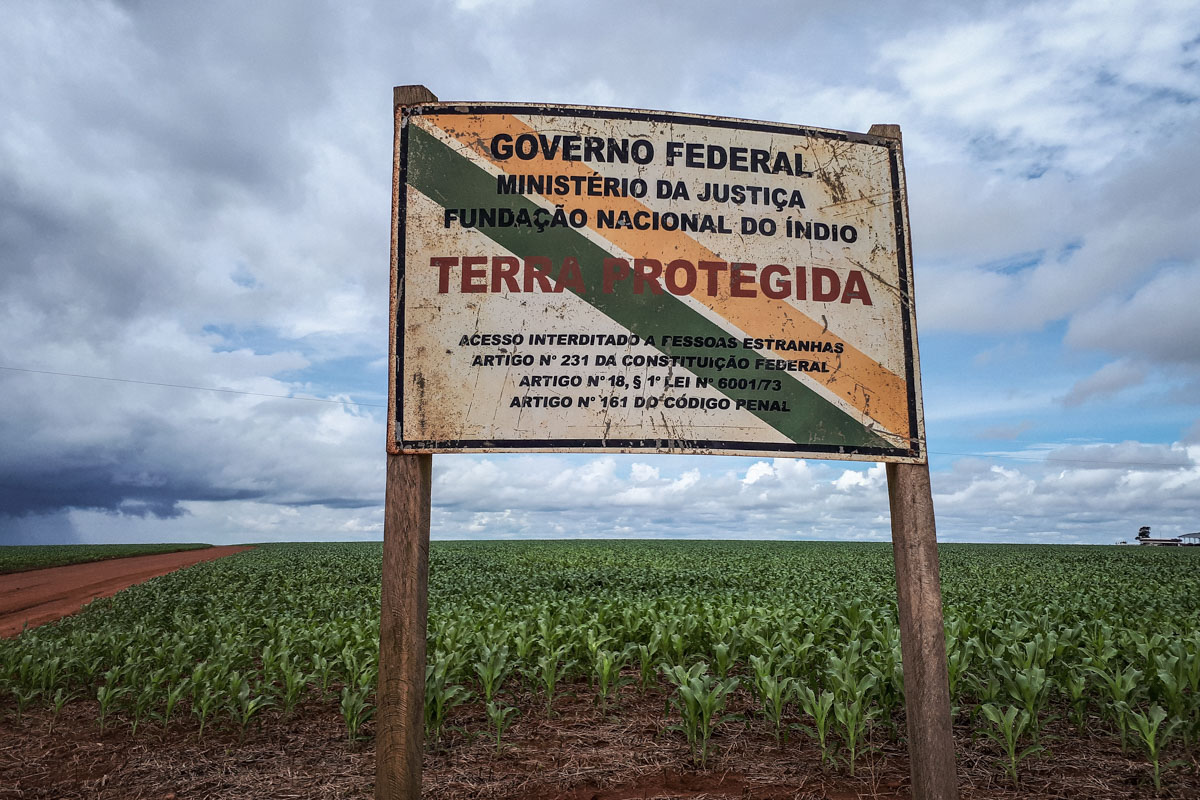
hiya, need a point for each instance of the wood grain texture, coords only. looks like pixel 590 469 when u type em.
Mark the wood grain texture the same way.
pixel 400 719
pixel 401 96
pixel 404 596
pixel 922 635
pixel 411 95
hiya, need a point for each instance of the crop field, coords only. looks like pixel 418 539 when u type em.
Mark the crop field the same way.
pixel 659 669
pixel 19 558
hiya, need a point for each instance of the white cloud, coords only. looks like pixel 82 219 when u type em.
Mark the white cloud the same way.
pixel 1109 379
pixel 1159 322
pixel 1056 82
pixel 207 204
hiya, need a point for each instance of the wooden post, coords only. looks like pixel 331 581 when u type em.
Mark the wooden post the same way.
pixel 919 591
pixel 400 718
pixel 922 636
pixel 404 599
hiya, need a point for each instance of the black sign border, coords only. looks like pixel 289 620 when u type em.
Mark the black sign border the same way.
pixel 666 446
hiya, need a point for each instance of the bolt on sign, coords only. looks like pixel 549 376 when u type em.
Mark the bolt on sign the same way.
pixel 577 278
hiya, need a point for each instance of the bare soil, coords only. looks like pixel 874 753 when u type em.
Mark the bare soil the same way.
pixel 29 599
pixel 580 752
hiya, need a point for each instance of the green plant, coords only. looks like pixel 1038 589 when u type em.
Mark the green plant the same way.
pixel 295 684
pixel 700 698
pixel 852 693
pixel 551 666
pixel 108 694
pixel 205 699
pixel 61 698
pixel 1010 725
pixel 499 717
pixel 356 711
pixel 607 667
pixel 1031 688
pixel 492 667
pixel 1122 686
pixel 440 697
pixel 774 693
pixel 174 694
pixel 819 707
pixel 1152 734
pixel 246 705
pixel 852 714
pixel 648 654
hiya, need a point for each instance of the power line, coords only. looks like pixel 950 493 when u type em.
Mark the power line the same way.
pixel 194 388
pixel 1053 460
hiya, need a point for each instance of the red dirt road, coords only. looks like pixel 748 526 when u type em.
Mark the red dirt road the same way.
pixel 44 595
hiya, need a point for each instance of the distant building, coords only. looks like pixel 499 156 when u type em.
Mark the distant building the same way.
pixel 1144 537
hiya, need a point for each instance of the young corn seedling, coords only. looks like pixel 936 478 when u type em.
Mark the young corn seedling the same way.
pixel 774 693
pixel 440 697
pixel 853 693
pixel 174 694
pixel 1179 676
pixel 295 683
pixel 853 713
pixel 524 643
pixel 593 642
pixel 885 665
pixel 958 662
pixel 1074 685
pixel 500 718
pixel 1031 689
pixel 205 697
pixel 1172 687
pixel 493 667
pixel 607 667
pixel 820 708
pixel 1121 687
pixel 550 671
pixel 60 699
pixel 145 700
pixel 550 632
pixel 355 709
pixel 25 696
pixel 1150 730
pixel 108 694
pixel 648 654
pixel 48 674
pixel 675 646
pixel 246 705
pixel 700 699
pixel 725 655
pixel 1010 726
pixel 323 670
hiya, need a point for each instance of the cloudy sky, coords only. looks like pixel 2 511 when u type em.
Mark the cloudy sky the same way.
pixel 198 195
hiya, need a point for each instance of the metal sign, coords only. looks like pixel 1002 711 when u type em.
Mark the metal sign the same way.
pixel 576 278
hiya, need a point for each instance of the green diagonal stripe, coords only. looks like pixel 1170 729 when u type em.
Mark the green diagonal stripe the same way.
pixel 453 181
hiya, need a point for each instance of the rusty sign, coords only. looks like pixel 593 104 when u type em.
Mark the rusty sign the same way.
pixel 576 278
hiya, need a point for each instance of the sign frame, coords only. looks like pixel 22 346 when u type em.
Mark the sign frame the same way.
pixel 906 447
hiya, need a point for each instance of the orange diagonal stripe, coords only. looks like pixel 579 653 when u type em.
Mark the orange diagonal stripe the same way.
pixel 861 381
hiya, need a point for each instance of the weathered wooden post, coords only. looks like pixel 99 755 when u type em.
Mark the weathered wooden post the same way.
pixel 404 596
pixel 922 635
pixel 919 603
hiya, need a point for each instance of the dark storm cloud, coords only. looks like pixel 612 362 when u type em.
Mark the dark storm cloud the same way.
pixel 133 132
pixel 96 486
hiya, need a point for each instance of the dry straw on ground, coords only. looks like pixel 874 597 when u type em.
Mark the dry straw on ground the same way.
pixel 579 753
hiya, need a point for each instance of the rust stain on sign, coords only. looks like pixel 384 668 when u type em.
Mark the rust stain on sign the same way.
pixel 578 278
